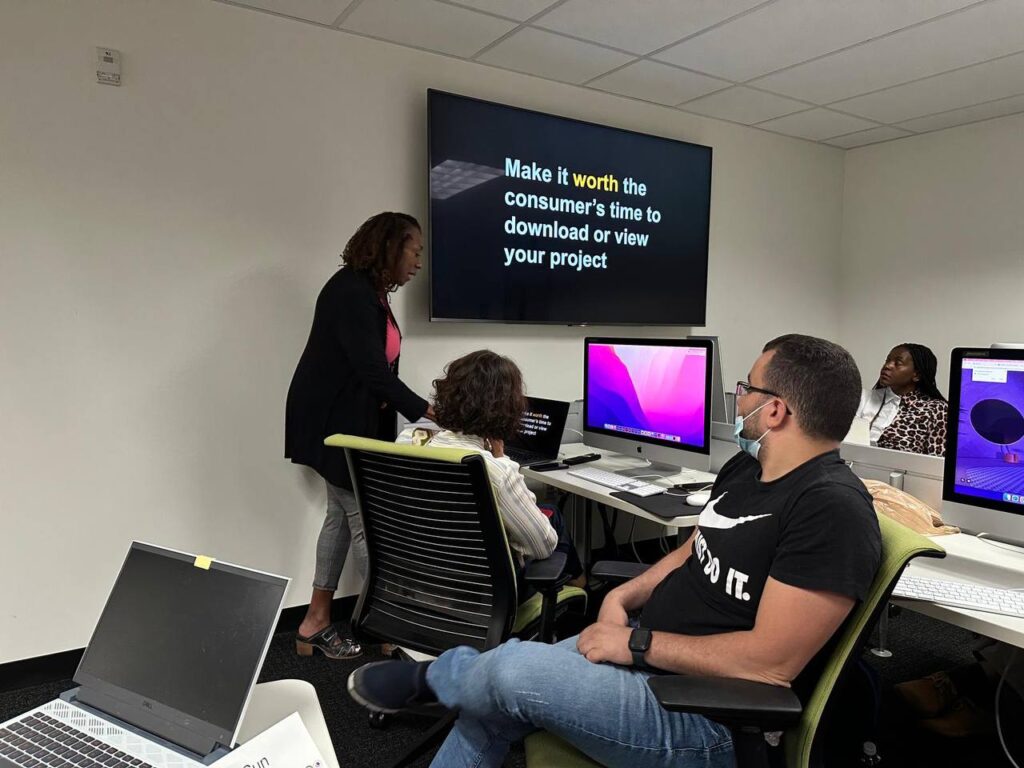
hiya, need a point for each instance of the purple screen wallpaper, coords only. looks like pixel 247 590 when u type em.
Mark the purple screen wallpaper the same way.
pixel 657 391
pixel 990 434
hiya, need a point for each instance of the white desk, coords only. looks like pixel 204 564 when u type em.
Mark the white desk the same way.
pixel 272 702
pixel 612 462
pixel 973 560
pixel 592 492
pixel 967 558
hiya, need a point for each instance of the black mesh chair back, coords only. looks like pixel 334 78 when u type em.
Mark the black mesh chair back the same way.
pixel 440 568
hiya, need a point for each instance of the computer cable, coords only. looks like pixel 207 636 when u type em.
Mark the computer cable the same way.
pixel 999 690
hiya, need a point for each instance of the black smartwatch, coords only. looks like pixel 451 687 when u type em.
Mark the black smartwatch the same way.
pixel 639 644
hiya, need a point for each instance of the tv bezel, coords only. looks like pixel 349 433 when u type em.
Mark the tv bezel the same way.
pixel 695 323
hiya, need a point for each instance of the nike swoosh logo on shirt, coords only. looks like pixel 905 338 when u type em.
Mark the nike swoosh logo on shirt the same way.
pixel 711 519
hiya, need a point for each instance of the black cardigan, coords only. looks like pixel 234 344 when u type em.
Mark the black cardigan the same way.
pixel 343 378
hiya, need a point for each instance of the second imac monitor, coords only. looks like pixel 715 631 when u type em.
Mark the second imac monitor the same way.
pixel 983 487
pixel 649 398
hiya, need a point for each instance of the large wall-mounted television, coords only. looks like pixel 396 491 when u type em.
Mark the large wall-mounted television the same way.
pixel 536 218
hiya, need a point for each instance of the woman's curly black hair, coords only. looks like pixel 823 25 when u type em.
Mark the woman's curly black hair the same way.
pixel 377 245
pixel 480 394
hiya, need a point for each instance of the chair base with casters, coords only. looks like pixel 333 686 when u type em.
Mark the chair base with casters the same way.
pixel 751 709
pixel 536 619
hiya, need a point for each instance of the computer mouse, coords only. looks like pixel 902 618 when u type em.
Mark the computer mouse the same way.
pixel 698 499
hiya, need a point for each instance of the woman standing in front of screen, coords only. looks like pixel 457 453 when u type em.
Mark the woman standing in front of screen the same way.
pixel 347 382
pixel 905 410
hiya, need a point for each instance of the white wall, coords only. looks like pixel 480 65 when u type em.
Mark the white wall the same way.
pixel 933 243
pixel 162 243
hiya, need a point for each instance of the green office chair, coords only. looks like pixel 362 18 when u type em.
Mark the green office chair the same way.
pixel 751 709
pixel 441 573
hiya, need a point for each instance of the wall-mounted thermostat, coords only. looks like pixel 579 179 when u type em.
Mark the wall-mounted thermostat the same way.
pixel 108 66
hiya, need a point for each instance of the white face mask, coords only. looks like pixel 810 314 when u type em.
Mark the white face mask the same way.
pixel 753 447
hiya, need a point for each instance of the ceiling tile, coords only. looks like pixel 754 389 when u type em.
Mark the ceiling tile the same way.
pixel 427 24
pixel 639 27
pixel 659 83
pixel 870 136
pixel 791 31
pixel 816 124
pixel 319 11
pixel 979 33
pixel 1000 108
pixel 743 105
pixel 520 10
pixel 546 54
pixel 962 88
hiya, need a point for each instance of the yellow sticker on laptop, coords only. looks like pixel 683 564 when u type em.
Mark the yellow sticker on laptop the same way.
pixel 204 562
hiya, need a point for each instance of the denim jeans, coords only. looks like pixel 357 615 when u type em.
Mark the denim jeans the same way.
pixel 605 711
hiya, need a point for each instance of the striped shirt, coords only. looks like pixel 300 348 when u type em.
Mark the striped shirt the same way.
pixel 529 531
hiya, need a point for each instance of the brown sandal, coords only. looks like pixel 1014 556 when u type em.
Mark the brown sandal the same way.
pixel 329 643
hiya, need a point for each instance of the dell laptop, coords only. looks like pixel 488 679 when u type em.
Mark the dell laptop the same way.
pixel 167 675
pixel 540 432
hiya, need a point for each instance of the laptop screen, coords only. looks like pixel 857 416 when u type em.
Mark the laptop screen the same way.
pixel 182 642
pixel 541 428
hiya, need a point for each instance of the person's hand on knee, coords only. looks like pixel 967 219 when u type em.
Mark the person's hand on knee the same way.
pixel 606 642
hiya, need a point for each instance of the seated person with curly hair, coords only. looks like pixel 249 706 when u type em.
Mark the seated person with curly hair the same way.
pixel 478 405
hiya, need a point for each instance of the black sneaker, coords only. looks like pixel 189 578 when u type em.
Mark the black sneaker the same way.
pixel 391 686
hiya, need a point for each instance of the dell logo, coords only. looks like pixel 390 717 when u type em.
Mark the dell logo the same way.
pixel 147 704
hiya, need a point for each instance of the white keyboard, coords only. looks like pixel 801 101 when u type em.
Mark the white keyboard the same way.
pixel 618 482
pixel 962 594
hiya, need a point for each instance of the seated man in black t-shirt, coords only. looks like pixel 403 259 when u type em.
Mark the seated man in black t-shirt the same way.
pixel 782 552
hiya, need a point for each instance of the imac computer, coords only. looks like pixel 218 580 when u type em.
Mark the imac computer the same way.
pixel 983 483
pixel 649 398
pixel 719 411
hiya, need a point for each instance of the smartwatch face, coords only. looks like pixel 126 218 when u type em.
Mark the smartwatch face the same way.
pixel 640 640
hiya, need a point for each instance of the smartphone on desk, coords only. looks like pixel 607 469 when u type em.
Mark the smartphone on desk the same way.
pixel 691 487
pixel 548 467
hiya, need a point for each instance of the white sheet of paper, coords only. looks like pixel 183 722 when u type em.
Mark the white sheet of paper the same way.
pixel 284 745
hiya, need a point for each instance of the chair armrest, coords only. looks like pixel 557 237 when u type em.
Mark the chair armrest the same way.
pixel 614 570
pixel 546 572
pixel 728 701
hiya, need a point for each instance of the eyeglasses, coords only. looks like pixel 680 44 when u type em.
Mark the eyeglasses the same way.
pixel 745 388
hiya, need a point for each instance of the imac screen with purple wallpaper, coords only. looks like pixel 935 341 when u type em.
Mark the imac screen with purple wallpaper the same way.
pixel 649 398
pixel 985 436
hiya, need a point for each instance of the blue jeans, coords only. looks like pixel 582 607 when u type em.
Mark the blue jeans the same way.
pixel 605 711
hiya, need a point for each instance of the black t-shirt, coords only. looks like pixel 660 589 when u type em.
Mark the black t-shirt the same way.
pixel 814 528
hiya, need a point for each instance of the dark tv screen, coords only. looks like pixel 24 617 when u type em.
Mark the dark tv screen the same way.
pixel 536 218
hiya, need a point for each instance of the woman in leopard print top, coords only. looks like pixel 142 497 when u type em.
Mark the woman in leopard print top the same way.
pixel 919 425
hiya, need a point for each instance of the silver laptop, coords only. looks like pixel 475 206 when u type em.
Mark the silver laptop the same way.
pixel 167 675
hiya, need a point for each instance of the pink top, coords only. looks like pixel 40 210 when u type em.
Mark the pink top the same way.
pixel 393 342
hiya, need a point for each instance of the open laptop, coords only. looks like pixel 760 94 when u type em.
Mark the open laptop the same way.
pixel 540 432
pixel 167 675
